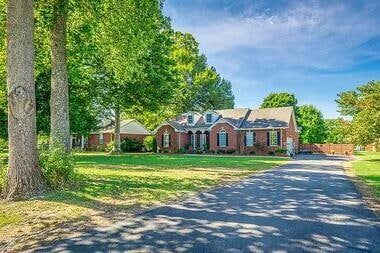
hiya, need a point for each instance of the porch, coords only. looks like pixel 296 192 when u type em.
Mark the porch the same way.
pixel 199 139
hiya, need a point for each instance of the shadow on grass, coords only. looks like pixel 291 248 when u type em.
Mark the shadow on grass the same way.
pixel 46 235
pixel 125 191
pixel 303 207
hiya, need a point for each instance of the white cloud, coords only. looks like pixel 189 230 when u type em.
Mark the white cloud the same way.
pixel 264 50
pixel 307 35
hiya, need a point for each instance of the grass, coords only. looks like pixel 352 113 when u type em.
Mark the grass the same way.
pixel 112 184
pixel 6 219
pixel 367 168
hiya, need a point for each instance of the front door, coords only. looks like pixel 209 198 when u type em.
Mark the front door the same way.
pixel 289 146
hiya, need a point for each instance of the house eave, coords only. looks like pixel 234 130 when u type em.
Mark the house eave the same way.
pixel 262 128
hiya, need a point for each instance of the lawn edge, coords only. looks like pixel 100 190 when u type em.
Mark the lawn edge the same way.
pixel 367 192
pixel 185 196
pixel 66 231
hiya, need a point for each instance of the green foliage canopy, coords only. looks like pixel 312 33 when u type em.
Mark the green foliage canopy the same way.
pixel 281 99
pixel 338 131
pixel 363 105
pixel 312 124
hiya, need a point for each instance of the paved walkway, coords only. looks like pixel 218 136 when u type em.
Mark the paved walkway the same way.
pixel 308 205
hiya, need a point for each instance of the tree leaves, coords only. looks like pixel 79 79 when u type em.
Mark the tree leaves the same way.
pixel 283 99
pixel 363 104
pixel 310 119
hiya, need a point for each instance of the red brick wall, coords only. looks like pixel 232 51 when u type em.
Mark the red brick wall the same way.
pixel 93 139
pixel 292 132
pixel 185 139
pixel 261 148
pixel 173 139
pixel 232 137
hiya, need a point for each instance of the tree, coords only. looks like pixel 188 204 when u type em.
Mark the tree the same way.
pixel 3 83
pixel 24 178
pixel 59 97
pixel 200 86
pixel 134 52
pixel 338 131
pixel 195 87
pixel 363 105
pixel 312 125
pixel 279 100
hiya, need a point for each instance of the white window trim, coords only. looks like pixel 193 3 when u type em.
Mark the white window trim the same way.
pixel 270 139
pixel 101 138
pixel 166 139
pixel 225 138
pixel 246 139
pixel 192 117
pixel 209 114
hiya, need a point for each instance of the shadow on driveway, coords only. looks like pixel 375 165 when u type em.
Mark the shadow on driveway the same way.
pixel 308 205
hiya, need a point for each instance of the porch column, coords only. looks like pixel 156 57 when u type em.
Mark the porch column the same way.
pixel 82 143
pixel 201 140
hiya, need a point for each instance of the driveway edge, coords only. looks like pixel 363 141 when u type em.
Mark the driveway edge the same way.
pixel 366 191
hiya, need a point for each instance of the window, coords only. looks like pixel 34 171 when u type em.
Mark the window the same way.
pixel 190 119
pixel 273 138
pixel 208 118
pixel 101 138
pixel 249 139
pixel 222 139
pixel 166 140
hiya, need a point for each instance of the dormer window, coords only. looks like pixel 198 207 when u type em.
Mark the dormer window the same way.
pixel 190 119
pixel 208 118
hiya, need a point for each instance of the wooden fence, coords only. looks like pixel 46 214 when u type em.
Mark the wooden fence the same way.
pixel 334 149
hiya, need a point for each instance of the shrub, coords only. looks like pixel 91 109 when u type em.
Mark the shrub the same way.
pixel 221 151
pixel 199 151
pixel 3 145
pixel 260 146
pixel 270 153
pixel 252 153
pixel 58 168
pixel 231 151
pixel 43 142
pixel 131 146
pixel 182 151
pixel 281 151
pixel 3 171
pixel 150 143
pixel 100 148
pixel 110 147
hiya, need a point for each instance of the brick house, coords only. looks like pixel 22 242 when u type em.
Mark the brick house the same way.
pixel 243 131
pixel 129 129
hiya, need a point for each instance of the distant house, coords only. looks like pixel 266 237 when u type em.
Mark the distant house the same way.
pixel 244 131
pixel 129 129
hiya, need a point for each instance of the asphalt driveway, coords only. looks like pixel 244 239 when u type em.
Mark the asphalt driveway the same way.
pixel 308 205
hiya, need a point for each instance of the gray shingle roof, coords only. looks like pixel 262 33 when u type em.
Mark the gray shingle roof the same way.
pixel 268 118
pixel 245 118
pixel 234 116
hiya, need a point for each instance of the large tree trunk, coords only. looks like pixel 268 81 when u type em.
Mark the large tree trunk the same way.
pixel 117 130
pixel 24 177
pixel 59 100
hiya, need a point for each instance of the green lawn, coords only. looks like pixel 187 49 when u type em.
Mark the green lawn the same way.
pixel 110 184
pixel 368 169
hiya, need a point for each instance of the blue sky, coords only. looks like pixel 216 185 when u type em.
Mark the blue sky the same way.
pixel 314 49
